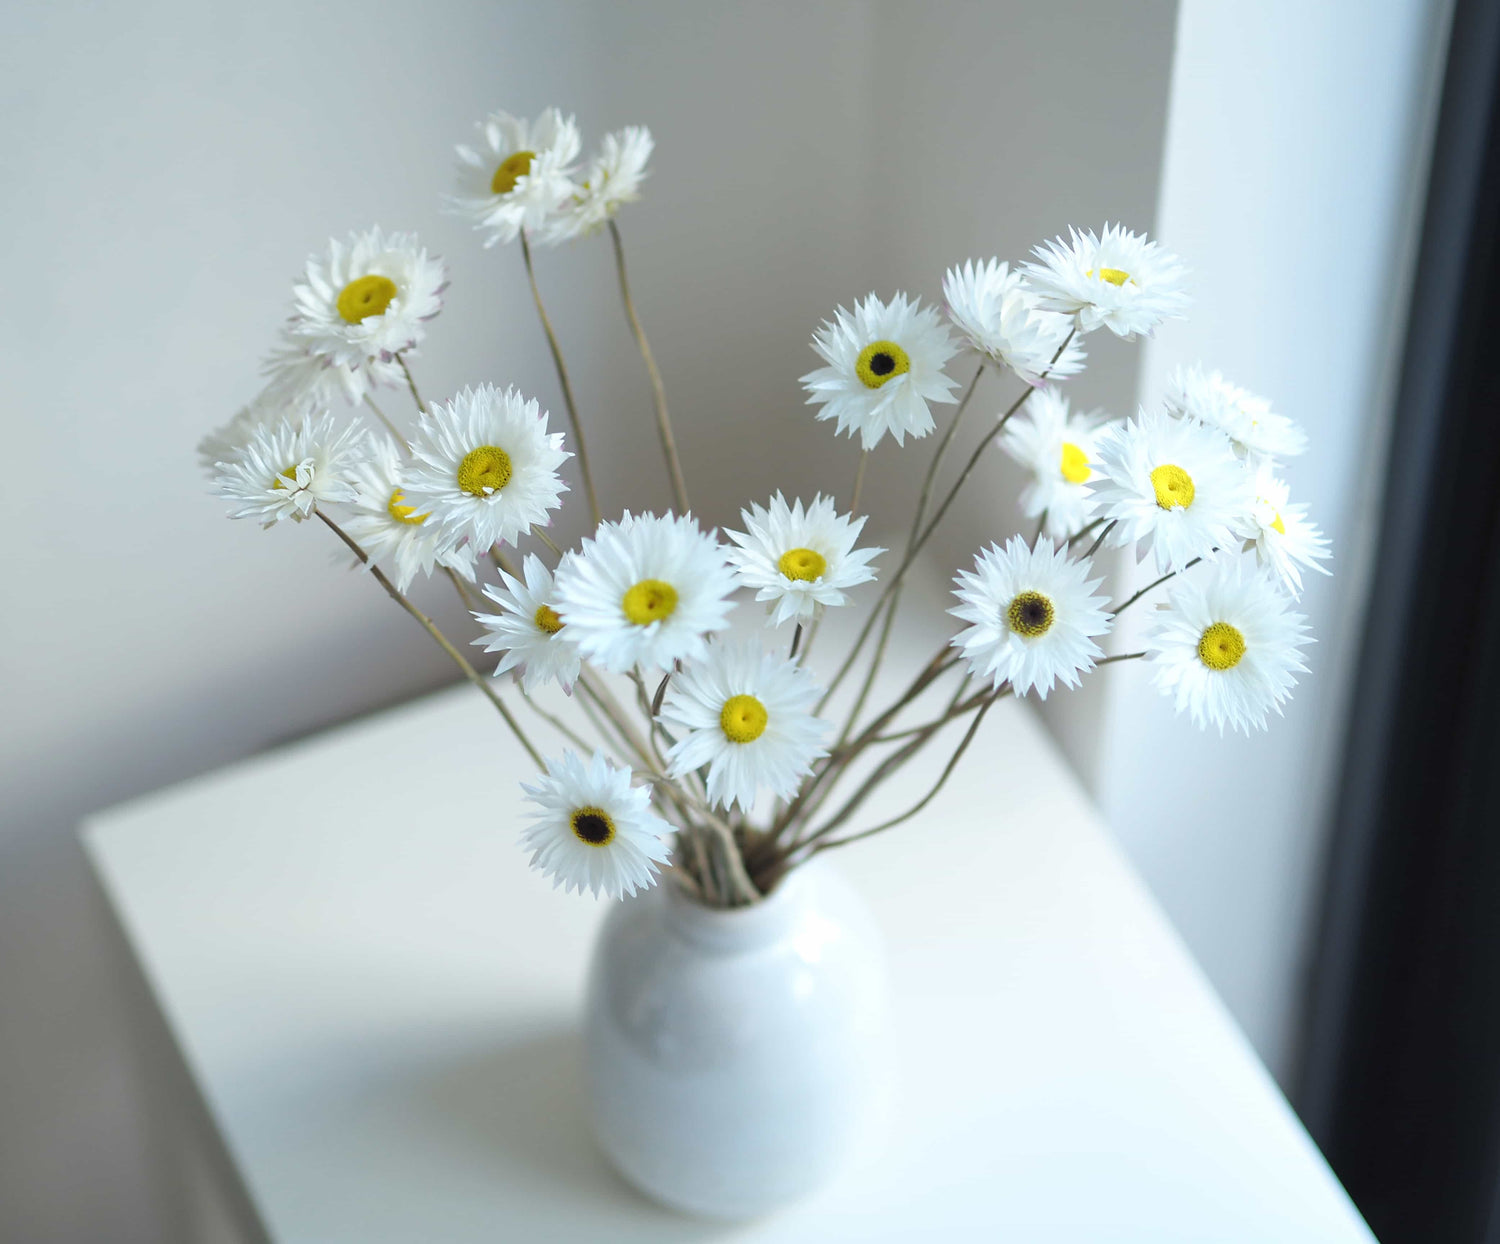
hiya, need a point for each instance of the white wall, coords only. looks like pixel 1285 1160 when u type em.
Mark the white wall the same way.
pixel 169 165
pixel 1294 169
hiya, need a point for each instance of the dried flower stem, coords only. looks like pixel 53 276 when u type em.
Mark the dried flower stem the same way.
pixel 567 385
pixel 389 426
pixel 658 393
pixel 469 672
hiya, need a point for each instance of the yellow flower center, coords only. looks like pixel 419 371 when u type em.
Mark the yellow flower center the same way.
pixel 592 826
pixel 1030 615
pixel 514 167
pixel 366 296
pixel 484 470
pixel 1115 276
pixel 1174 487
pixel 1221 647
pixel 804 565
pixel 546 619
pixel 1075 463
pixel 649 601
pixel 743 719
pixel 1277 525
pixel 881 361
pixel 286 478
pixel 397 508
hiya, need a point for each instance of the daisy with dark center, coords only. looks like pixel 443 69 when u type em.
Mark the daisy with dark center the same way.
pixel 518 176
pixel 798 561
pixel 1226 648
pixel 592 830
pixel 484 466
pixel 528 630
pixel 747 715
pixel 885 364
pixel 368 300
pixel 1032 616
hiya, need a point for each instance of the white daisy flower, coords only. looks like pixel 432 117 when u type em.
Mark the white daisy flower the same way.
pixel 1284 537
pixel 748 716
pixel 519 176
pixel 612 178
pixel 1169 484
pixel 1225 649
pixel 384 523
pixel 367 301
pixel 1258 432
pixel 645 592
pixel 484 466
pixel 1032 615
pixel 592 830
pixel 885 363
pixel 798 559
pixel 1057 448
pixel 1117 280
pixel 288 468
pixel 295 375
pixel 994 309
pixel 528 629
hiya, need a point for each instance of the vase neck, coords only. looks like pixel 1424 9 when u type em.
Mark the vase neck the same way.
pixel 735 930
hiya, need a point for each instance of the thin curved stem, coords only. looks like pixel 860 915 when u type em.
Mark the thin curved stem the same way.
pixel 567 385
pixel 1153 584
pixel 389 426
pixel 859 482
pixel 469 672
pixel 658 392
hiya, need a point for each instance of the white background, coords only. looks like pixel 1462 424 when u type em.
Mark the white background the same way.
pixel 169 166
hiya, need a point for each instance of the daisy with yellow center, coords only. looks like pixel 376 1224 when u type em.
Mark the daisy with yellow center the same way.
pixel 592 830
pixel 799 560
pixel 1116 280
pixel 1171 486
pixel 397 534
pixel 1226 648
pixel 287 468
pixel 1286 540
pixel 519 175
pixel 611 179
pixel 365 301
pixel 1032 614
pixel 884 366
pixel 1056 446
pixel 528 631
pixel 644 592
pixel 746 715
pixel 484 466
pixel 1259 434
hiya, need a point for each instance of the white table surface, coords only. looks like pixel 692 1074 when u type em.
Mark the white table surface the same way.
pixel 375 1003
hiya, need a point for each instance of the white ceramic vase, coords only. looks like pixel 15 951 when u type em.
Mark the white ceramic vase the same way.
pixel 738 1058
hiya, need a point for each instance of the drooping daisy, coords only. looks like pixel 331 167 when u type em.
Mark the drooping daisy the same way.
pixel 288 468
pixel 798 559
pixel 885 363
pixel 485 467
pixel 369 299
pixel 1285 538
pixel 748 716
pixel 391 529
pixel 297 376
pixel 1117 280
pixel 1225 649
pixel 528 629
pixel 1032 614
pixel 519 175
pixel 1258 432
pixel 645 591
pixel 592 830
pixel 995 310
pixel 612 178
pixel 1056 447
pixel 1170 485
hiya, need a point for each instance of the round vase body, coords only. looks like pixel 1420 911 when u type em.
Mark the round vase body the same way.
pixel 738 1058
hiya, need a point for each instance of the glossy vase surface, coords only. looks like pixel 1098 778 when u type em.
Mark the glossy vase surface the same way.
pixel 738 1058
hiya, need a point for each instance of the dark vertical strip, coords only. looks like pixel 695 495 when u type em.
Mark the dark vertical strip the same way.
pixel 1401 1072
